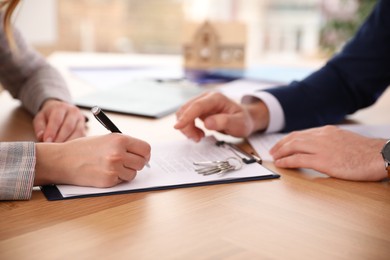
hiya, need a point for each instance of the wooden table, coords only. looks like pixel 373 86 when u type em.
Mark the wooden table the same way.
pixel 302 215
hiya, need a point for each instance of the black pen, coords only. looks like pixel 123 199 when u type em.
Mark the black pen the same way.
pixel 106 122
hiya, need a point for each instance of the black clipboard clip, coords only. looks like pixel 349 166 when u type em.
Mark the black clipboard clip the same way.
pixel 246 157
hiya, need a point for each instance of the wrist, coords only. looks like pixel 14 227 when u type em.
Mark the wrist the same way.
pixel 385 152
pixel 48 101
pixel 48 160
pixel 377 170
pixel 259 114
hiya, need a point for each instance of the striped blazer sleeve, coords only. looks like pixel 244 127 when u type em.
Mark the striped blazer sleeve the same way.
pixel 29 78
pixel 17 170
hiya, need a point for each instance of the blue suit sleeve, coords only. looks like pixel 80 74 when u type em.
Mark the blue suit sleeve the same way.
pixel 351 80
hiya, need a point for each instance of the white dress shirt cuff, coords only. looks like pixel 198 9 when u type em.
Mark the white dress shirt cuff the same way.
pixel 276 114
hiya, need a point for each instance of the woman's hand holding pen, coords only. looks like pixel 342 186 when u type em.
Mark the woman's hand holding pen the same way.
pixel 58 121
pixel 101 161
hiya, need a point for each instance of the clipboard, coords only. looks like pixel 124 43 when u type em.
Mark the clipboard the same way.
pixel 172 167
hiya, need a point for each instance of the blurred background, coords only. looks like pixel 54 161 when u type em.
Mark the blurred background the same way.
pixel 277 29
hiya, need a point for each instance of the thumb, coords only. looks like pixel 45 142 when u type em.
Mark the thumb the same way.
pixel 216 122
pixel 234 125
pixel 39 124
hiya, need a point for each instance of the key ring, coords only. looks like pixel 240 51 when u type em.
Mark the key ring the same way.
pixel 218 167
pixel 238 163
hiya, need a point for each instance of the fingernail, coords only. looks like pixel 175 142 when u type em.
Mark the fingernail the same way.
pixel 196 139
pixel 210 124
pixel 40 134
pixel 49 140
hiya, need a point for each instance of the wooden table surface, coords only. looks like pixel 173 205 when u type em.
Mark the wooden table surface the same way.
pixel 302 215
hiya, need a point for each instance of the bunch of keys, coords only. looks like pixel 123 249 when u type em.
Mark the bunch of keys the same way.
pixel 218 167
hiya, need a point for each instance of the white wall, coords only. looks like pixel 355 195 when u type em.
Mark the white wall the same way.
pixel 37 21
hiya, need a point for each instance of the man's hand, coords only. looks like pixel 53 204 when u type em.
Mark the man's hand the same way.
pixel 336 152
pixel 58 121
pixel 221 114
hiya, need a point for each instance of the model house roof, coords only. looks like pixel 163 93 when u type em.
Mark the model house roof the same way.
pixel 227 33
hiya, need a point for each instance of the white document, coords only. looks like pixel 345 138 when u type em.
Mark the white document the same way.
pixel 171 164
pixel 262 143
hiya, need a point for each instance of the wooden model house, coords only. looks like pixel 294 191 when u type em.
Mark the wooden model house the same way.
pixel 214 46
